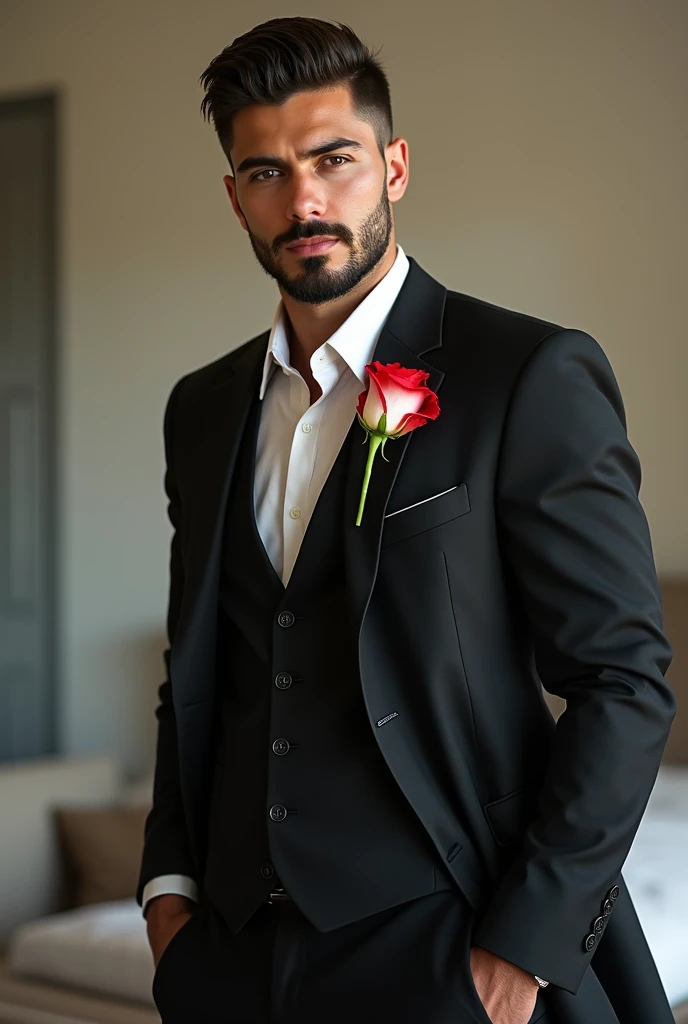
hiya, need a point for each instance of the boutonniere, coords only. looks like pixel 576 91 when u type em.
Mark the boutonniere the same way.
pixel 395 403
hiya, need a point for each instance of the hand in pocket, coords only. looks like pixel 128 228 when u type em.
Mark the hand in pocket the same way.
pixel 163 935
pixel 507 992
pixel 165 916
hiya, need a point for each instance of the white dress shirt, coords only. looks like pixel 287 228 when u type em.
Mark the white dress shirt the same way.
pixel 299 442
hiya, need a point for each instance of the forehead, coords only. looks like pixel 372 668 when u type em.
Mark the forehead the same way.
pixel 303 121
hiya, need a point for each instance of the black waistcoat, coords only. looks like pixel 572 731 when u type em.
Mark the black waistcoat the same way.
pixel 301 794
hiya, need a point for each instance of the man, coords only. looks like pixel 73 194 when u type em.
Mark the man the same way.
pixel 363 807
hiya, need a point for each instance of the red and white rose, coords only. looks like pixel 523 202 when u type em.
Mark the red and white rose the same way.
pixel 395 403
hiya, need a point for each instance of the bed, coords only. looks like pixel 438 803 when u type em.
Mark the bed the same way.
pixel 656 873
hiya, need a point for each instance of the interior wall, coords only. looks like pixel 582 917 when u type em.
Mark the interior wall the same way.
pixel 548 170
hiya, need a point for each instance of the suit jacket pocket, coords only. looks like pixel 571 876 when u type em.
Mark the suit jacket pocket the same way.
pixel 508 816
pixel 425 515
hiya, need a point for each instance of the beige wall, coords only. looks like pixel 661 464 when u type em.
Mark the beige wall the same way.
pixel 548 158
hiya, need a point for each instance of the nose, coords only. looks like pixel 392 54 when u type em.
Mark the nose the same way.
pixel 306 198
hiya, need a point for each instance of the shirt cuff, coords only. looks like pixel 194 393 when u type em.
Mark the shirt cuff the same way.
pixel 181 885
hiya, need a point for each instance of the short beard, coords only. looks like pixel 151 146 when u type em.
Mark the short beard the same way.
pixel 316 285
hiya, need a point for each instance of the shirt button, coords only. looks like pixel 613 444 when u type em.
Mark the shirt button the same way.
pixel 295 512
pixel 306 427
pixel 280 746
pixel 278 812
pixel 283 680
pixel 267 870
pixel 286 619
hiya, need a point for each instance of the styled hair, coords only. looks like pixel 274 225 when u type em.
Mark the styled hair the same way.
pixel 284 56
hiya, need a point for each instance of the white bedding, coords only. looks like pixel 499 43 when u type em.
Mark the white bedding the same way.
pixel 656 872
pixel 104 947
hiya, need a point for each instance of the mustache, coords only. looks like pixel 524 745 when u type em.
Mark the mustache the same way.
pixel 313 229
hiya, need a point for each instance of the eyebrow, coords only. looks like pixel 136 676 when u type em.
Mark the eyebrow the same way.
pixel 276 161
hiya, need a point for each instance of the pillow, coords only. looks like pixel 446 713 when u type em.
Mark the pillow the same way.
pixel 102 848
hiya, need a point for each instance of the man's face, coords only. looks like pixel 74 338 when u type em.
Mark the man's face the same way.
pixel 313 192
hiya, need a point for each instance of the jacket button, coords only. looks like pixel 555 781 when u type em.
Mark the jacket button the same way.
pixel 286 619
pixel 613 893
pixel 589 943
pixel 280 746
pixel 278 812
pixel 267 870
pixel 607 908
pixel 283 680
pixel 598 924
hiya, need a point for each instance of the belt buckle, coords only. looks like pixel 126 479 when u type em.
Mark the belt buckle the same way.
pixel 276 896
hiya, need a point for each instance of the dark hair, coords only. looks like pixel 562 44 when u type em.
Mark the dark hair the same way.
pixel 284 56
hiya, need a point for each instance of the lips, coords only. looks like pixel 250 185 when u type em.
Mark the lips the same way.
pixel 312 246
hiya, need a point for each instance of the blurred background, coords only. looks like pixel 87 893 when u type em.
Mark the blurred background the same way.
pixel 548 175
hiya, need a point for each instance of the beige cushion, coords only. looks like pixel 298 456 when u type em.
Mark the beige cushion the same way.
pixel 31 866
pixel 102 848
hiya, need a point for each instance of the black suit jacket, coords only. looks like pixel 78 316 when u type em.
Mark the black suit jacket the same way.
pixel 535 567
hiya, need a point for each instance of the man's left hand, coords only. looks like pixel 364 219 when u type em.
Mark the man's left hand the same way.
pixel 507 992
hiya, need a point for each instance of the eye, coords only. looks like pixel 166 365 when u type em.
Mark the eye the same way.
pixel 337 156
pixel 269 170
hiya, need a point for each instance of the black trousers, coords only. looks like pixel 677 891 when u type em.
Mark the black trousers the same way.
pixel 406 964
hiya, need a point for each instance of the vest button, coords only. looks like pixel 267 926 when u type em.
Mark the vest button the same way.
pixel 278 812
pixel 286 619
pixel 267 870
pixel 280 746
pixel 283 680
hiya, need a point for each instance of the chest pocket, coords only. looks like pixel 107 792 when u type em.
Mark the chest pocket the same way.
pixel 425 515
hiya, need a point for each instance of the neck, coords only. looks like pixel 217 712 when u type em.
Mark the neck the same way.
pixel 309 326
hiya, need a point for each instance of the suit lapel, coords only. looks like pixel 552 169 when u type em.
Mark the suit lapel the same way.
pixel 222 417
pixel 225 413
pixel 413 328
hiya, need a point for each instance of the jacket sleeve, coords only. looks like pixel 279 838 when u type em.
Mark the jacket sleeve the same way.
pixel 166 849
pixel 577 546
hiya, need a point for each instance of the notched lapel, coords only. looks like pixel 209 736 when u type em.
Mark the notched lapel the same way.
pixel 414 327
pixel 223 411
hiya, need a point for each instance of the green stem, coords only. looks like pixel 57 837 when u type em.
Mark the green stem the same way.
pixel 375 441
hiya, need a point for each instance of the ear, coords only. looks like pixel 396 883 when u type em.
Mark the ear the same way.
pixel 397 155
pixel 230 185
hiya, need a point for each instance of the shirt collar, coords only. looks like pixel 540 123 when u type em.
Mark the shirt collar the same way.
pixel 357 337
